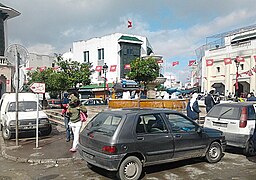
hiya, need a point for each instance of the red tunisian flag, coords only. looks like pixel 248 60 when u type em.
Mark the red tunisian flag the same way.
pixel 191 62
pixel 41 69
pixel 249 73
pixel 254 69
pixel 129 24
pixel 56 68
pixel 227 61
pixel 29 68
pixel 160 61
pixel 240 59
pixel 98 68
pixel 175 63
pixel 209 62
pixel 127 66
pixel 112 68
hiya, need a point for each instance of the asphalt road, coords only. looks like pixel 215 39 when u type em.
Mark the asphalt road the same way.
pixel 234 165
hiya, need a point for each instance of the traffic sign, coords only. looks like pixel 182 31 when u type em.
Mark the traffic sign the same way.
pixel 38 88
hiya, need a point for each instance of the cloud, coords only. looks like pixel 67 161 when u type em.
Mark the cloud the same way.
pixel 43 49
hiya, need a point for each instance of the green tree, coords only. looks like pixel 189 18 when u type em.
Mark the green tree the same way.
pixel 52 79
pixel 54 82
pixel 69 74
pixel 74 72
pixel 144 70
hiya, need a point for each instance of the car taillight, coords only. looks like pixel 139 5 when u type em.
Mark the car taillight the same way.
pixel 109 149
pixel 243 118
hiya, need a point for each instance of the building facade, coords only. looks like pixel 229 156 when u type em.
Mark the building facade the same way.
pixel 229 65
pixel 6 70
pixel 116 50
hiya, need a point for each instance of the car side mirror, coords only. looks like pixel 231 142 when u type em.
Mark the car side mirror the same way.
pixel 199 130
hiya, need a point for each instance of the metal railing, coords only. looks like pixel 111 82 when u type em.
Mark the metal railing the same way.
pixel 3 60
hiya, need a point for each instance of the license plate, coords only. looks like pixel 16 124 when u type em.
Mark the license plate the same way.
pixel 29 127
pixel 220 124
pixel 87 155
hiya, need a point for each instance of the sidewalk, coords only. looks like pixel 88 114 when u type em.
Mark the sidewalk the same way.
pixel 51 149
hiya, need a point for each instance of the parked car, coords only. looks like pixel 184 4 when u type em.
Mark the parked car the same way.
pixel 55 103
pixel 237 121
pixel 27 115
pixel 126 140
pixel 92 102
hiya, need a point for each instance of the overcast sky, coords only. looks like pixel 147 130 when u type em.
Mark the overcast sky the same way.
pixel 175 28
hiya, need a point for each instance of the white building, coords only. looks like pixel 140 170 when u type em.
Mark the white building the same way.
pixel 217 67
pixel 116 50
pixel 38 60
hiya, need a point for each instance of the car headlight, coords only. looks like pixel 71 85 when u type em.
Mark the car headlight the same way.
pixel 43 121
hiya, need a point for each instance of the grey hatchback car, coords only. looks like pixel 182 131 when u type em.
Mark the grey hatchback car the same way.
pixel 126 140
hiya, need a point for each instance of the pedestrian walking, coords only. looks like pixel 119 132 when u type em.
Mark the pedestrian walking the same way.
pixel 209 101
pixel 75 121
pixel 252 97
pixel 65 104
pixel 193 108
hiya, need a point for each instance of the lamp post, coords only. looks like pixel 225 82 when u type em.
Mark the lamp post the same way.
pixel 105 68
pixel 237 66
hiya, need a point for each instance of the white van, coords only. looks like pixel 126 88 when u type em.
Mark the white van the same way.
pixel 237 121
pixel 27 115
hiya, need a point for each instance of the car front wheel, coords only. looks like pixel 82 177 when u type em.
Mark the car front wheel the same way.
pixel 47 132
pixel 130 169
pixel 214 153
pixel 6 133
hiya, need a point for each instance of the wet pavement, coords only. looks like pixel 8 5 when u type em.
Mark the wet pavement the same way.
pixel 51 149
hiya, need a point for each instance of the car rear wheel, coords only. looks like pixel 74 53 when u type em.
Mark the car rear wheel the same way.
pixel 214 153
pixel 249 148
pixel 130 169
pixel 6 133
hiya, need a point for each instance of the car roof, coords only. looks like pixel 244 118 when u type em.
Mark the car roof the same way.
pixel 11 97
pixel 237 104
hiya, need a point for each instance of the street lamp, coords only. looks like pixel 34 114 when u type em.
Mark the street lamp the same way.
pixel 237 66
pixel 105 68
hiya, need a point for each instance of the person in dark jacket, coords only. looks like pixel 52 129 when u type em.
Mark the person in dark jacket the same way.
pixel 69 133
pixel 193 108
pixel 209 101
pixel 252 97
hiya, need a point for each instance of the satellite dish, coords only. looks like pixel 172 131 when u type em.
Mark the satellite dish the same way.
pixel 17 56
pixel 13 52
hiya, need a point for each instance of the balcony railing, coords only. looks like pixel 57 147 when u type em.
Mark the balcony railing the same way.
pixel 3 60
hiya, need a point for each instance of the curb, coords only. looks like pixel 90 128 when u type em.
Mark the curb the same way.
pixel 33 160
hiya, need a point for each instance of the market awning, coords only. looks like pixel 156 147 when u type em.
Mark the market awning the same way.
pixel 118 87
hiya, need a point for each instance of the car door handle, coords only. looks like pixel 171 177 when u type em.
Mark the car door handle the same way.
pixel 178 136
pixel 140 138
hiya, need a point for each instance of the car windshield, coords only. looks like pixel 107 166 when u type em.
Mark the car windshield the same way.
pixel 104 123
pixel 24 106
